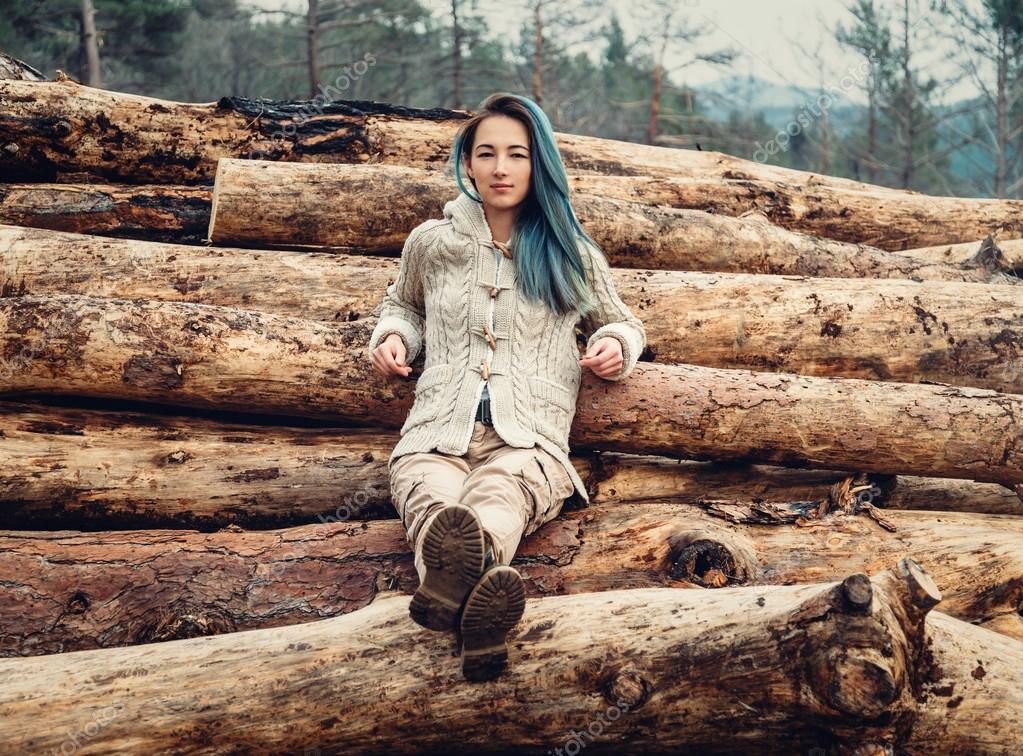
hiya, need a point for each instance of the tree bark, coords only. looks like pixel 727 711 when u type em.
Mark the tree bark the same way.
pixel 78 469
pixel 155 144
pixel 63 127
pixel 657 237
pixel 87 470
pixel 848 423
pixel 60 127
pixel 179 354
pixel 622 477
pixel 869 215
pixel 966 667
pixel 215 357
pixel 90 45
pixel 286 204
pixel 894 330
pixel 70 591
pixel 313 46
pixel 743 669
pixel 155 212
pixel 319 286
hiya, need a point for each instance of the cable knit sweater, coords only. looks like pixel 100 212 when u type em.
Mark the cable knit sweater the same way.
pixel 454 296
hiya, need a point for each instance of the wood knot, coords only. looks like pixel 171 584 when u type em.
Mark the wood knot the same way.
pixel 183 622
pixel 707 563
pixel 62 128
pixel 78 603
pixel 627 689
pixel 858 682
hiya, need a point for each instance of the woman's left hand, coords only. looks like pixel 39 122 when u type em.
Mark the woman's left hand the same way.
pixel 604 358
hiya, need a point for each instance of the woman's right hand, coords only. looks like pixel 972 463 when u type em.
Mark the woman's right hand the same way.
pixel 389 357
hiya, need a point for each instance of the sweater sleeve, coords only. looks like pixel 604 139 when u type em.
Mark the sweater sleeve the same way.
pixel 403 311
pixel 610 316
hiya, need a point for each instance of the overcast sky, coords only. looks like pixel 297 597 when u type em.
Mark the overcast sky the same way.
pixel 769 35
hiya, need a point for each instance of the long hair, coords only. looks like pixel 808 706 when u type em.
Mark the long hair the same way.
pixel 546 234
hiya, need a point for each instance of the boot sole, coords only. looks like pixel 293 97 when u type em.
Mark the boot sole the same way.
pixel 493 608
pixel 453 555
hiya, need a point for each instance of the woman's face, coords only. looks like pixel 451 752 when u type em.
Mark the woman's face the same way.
pixel 500 161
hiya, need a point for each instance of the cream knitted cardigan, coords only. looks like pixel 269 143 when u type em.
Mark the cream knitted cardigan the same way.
pixel 451 295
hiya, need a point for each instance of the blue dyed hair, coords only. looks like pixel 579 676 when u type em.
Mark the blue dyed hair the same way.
pixel 545 238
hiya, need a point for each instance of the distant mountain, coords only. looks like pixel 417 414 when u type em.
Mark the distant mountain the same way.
pixel 970 166
pixel 778 102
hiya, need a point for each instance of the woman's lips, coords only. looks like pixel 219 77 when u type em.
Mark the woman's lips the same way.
pixel 502 188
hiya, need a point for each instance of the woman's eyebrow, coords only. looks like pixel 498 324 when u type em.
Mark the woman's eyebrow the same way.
pixel 512 147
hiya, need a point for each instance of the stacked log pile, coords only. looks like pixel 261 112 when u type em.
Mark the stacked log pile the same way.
pixel 805 527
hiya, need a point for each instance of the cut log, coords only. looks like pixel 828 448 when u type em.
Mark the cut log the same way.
pixel 170 141
pixel 894 330
pixel 70 591
pixel 845 423
pixel 941 494
pixel 155 212
pixel 172 353
pixel 18 70
pixel 753 670
pixel 967 671
pixel 318 286
pixel 1005 255
pixel 869 215
pixel 197 473
pixel 167 468
pixel 625 478
pixel 70 468
pixel 265 216
pixel 261 203
pixel 51 128
pixel 204 356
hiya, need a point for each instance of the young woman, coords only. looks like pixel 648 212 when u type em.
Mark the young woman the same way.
pixel 494 290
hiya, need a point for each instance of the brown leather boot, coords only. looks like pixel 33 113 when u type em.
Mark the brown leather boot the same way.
pixel 494 606
pixel 453 554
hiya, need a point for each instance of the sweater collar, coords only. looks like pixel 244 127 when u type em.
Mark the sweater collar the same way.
pixel 467 217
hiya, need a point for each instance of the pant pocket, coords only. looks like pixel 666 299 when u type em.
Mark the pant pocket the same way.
pixel 548 486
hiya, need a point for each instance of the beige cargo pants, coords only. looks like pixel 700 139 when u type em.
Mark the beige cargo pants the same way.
pixel 513 491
